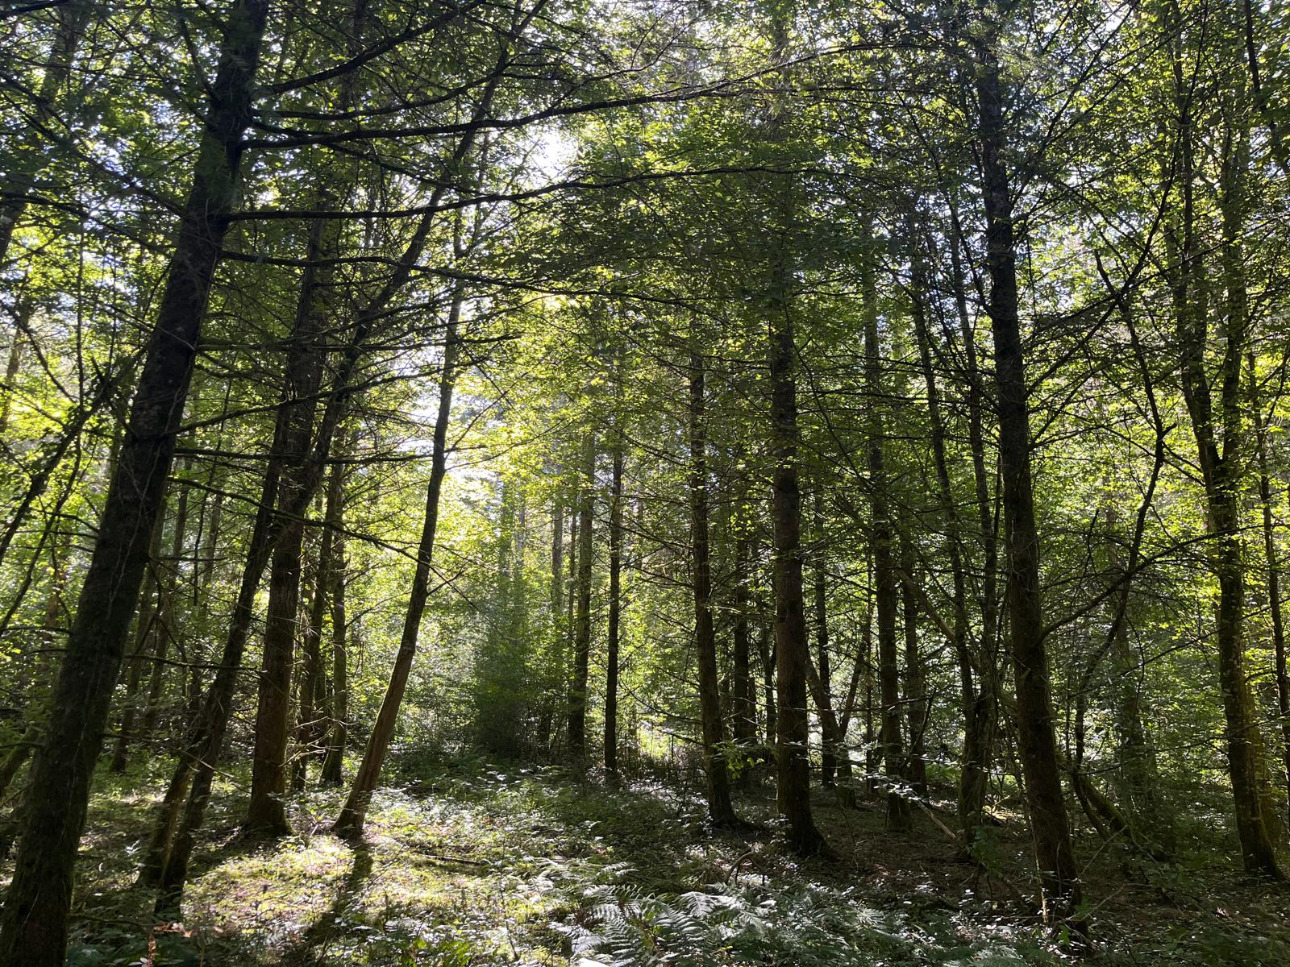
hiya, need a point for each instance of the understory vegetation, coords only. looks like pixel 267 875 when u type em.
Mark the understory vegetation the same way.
pixel 470 862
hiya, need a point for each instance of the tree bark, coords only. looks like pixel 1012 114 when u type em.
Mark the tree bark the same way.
pixel 145 630
pixel 982 713
pixel 1274 582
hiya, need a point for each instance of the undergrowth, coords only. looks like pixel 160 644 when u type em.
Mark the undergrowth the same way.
pixel 480 864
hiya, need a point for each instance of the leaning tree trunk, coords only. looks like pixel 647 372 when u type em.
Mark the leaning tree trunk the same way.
pixel 166 862
pixel 720 808
pixel 33 925
pixel 316 310
pixel 22 314
pixel 349 824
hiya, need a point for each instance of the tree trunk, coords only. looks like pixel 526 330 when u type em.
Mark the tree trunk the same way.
pixel 313 685
pixel 745 704
pixel 557 558
pixel 339 699
pixel 146 626
pixel 1035 738
pixel 1274 582
pixel 267 813
pixel 14 361
pixel 168 629
pixel 615 611
pixel 886 592
pixel 792 650
pixel 972 775
pixel 349 824
pixel 824 699
pixel 577 727
pixel 720 808
pixel 918 704
pixel 145 629
pixel 33 925
pixel 981 718
pixel 166 861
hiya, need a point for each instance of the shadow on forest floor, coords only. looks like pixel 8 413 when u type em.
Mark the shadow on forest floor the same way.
pixel 482 864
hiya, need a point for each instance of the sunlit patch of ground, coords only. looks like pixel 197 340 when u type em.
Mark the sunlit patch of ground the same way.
pixel 480 865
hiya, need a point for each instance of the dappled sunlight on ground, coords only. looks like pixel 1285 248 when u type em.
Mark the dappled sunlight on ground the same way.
pixel 472 865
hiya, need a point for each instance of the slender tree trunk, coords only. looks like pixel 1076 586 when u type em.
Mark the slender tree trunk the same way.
pixel 1035 737
pixel 557 557
pixel 982 713
pixel 873 749
pixel 349 824
pixel 918 706
pixel 886 594
pixel 145 630
pixel 769 662
pixel 30 740
pixel 824 698
pixel 1257 822
pixel 745 705
pixel 973 772
pixel 339 702
pixel 577 727
pixel 33 925
pixel 1274 581
pixel 313 685
pixel 168 628
pixel 720 808
pixel 615 612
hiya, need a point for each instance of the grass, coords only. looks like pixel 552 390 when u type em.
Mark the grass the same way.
pixel 479 864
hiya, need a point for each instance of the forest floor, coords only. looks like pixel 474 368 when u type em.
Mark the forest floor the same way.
pixel 500 864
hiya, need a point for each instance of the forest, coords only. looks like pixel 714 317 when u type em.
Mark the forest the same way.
pixel 631 482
